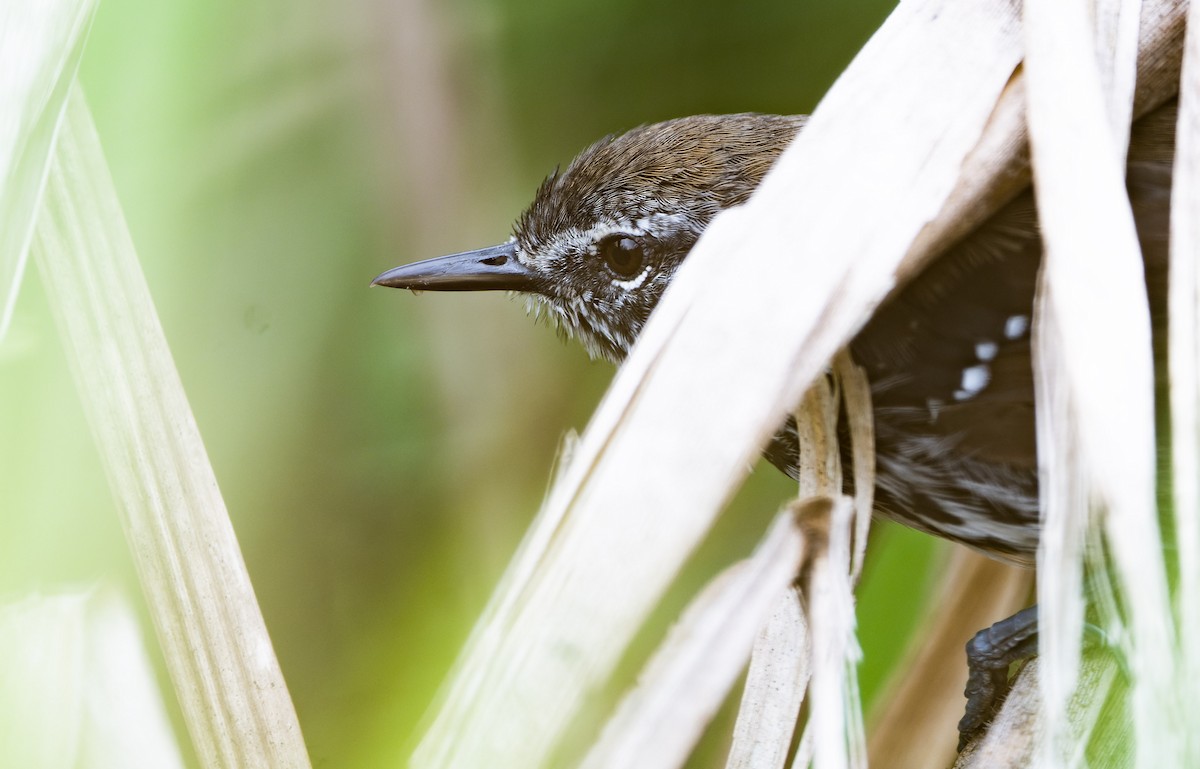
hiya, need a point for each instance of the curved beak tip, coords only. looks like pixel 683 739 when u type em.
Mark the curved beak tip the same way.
pixel 398 277
pixel 380 280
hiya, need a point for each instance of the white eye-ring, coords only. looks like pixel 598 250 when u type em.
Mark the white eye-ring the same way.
pixel 636 282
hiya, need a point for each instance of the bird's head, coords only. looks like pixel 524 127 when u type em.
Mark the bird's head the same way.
pixel 603 238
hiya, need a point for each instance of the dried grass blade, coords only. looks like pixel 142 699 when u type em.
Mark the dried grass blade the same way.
pixel 856 395
pixel 40 47
pixel 775 686
pixel 685 681
pixel 834 713
pixel 218 653
pixel 1093 313
pixel 1184 362
pixel 998 167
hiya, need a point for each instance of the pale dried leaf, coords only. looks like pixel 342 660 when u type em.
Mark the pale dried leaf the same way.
pixel 1095 370
pixel 775 685
pixel 40 47
pixel 689 675
pixel 1065 518
pixel 830 612
pixel 771 702
pixel 1184 361
pixel 860 418
pixel 216 646
pixel 1115 29
pixel 820 465
pixel 998 166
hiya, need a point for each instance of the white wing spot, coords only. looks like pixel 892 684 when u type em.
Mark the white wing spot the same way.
pixel 1016 326
pixel 974 379
pixel 986 351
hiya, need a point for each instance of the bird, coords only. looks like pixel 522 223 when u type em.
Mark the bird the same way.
pixel 948 356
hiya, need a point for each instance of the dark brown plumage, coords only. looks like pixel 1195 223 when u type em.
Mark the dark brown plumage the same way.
pixel 696 166
pixel 948 357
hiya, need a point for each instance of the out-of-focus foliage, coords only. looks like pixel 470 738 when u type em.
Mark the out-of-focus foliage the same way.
pixel 77 688
pixel 381 453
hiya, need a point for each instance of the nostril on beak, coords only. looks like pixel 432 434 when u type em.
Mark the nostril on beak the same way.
pixel 494 261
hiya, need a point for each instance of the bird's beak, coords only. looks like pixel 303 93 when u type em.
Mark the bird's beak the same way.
pixel 493 268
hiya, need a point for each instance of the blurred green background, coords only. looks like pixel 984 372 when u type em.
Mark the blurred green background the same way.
pixel 381 453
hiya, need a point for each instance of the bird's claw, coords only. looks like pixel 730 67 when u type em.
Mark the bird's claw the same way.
pixel 989 654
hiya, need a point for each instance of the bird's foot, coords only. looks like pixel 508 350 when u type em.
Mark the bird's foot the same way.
pixel 989 655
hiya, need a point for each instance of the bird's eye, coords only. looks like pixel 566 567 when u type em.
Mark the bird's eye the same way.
pixel 623 256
